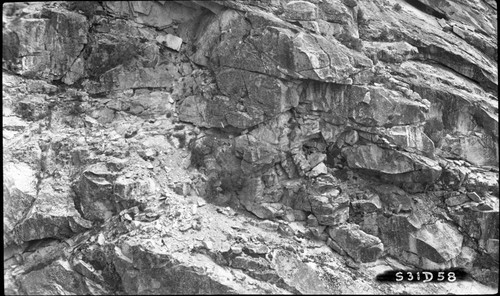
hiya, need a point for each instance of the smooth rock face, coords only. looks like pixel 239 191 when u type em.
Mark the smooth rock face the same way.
pixel 163 147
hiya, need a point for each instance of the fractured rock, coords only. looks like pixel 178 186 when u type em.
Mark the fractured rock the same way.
pixel 392 162
pixel 95 197
pixel 330 211
pixel 361 246
pixel 377 106
pixel 171 41
pixel 372 204
pixel 152 13
pixel 320 169
pixel 53 214
pixel 285 89
pixel 312 220
pixel 301 10
pixel 178 272
pixel 300 55
pixel 45 281
pixel 296 273
pixel 48 47
pixel 492 247
pixel 437 242
pixel 19 193
pixel 412 138
pixel 480 225
pixel 474 197
pixel 395 52
pixel 457 200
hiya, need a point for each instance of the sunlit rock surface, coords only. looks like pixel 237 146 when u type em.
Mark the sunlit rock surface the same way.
pixel 271 147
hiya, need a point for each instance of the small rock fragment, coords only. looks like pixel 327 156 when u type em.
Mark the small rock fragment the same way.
pixel 253 249
pixel 185 227
pixel 482 207
pixel 474 197
pixel 312 221
pixel 269 225
pixel 457 200
pixel 207 244
pixel 334 246
pixel 100 239
pixel 320 169
pixel 285 229
pixel 171 41
pixel 236 249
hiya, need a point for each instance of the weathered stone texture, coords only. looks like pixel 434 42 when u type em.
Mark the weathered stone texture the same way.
pixel 159 147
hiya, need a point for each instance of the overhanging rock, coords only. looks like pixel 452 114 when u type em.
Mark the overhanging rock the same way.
pixel 405 167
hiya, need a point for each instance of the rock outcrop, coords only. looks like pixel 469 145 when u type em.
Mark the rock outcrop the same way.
pixel 163 147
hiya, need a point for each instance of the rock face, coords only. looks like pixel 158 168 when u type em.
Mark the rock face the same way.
pixel 392 162
pixel 439 242
pixel 40 47
pixel 163 147
pixel 19 190
pixel 359 245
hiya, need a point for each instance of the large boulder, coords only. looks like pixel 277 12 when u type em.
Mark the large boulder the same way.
pixel 361 246
pixel 439 242
pixel 102 192
pixel 52 215
pixel 95 197
pixel 255 155
pixel 412 139
pixel 402 165
pixel 378 106
pixel 395 232
pixel 328 204
pixel 301 10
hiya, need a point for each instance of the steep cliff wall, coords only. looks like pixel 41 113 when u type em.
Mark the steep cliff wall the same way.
pixel 265 146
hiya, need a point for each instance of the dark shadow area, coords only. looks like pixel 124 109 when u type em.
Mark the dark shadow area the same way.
pixel 427 9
